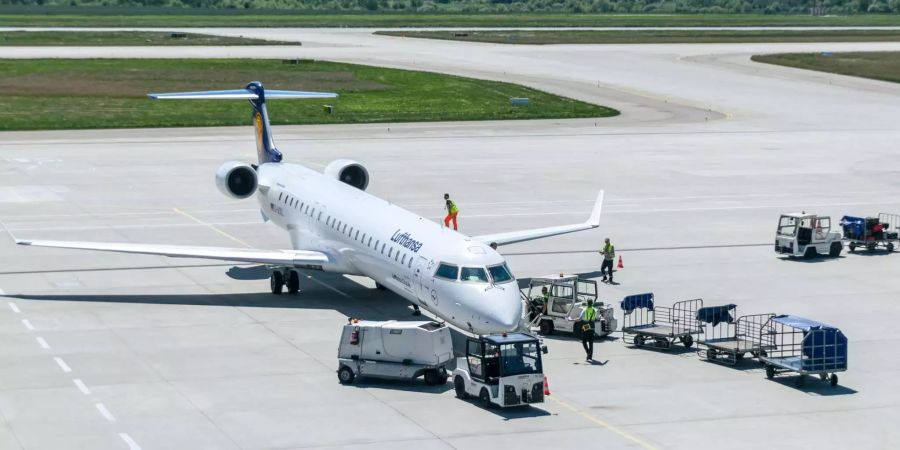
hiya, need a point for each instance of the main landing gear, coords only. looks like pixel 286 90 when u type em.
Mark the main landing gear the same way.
pixel 281 278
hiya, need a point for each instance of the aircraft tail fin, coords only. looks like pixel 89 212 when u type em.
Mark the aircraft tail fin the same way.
pixel 257 95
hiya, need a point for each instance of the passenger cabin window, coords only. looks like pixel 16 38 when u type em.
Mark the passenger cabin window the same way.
pixel 280 194
pixel 357 235
pixel 390 251
pixel 500 274
pixel 447 272
pixel 473 274
pixel 403 260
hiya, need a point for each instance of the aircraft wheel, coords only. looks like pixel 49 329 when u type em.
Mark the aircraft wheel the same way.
pixel 293 282
pixel 276 282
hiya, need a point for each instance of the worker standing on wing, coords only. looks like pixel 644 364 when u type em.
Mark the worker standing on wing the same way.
pixel 452 211
pixel 609 256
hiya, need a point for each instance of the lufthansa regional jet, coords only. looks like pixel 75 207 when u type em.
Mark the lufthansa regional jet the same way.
pixel 336 226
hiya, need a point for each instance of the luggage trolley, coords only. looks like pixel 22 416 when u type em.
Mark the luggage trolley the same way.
pixel 727 340
pixel 871 232
pixel 664 325
pixel 807 347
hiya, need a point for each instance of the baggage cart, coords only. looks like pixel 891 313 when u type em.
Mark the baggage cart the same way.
pixel 728 340
pixel 871 232
pixel 803 346
pixel 660 325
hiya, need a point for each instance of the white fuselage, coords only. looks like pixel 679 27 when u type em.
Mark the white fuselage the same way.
pixel 365 235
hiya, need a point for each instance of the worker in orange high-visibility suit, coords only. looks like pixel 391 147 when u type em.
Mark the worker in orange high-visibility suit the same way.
pixel 452 211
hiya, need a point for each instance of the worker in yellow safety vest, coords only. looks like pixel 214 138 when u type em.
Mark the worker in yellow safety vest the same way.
pixel 586 325
pixel 452 211
pixel 609 255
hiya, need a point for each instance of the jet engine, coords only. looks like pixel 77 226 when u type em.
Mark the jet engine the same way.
pixel 350 172
pixel 236 179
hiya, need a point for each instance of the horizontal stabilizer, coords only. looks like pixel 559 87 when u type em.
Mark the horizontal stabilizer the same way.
pixel 281 257
pixel 239 94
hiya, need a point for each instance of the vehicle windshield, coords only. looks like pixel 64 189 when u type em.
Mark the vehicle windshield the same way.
pixel 520 358
pixel 500 274
pixel 473 275
pixel 787 226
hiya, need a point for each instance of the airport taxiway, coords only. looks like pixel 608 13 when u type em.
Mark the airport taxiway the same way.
pixel 116 351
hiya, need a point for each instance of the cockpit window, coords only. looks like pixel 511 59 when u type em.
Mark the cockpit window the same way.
pixel 500 274
pixel 447 272
pixel 473 274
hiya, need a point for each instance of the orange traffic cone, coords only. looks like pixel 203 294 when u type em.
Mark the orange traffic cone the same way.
pixel 546 386
pixel 621 266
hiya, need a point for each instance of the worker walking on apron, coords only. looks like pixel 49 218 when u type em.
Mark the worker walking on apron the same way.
pixel 452 211
pixel 588 317
pixel 609 256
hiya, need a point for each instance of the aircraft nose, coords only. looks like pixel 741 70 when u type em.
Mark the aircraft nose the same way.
pixel 508 312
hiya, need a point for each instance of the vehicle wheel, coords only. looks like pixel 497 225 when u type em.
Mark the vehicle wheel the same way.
pixel 810 252
pixel 770 372
pixel 711 354
pixel 870 246
pixel 345 375
pixel 442 378
pixel 738 357
pixel 432 377
pixel 834 379
pixel 276 282
pixel 835 250
pixel 546 327
pixel 460 386
pixel 485 398
pixel 638 341
pixel 852 246
pixel 688 341
pixel 293 282
pixel 890 247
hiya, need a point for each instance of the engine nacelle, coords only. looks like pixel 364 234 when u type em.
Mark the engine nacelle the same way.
pixel 236 179
pixel 350 172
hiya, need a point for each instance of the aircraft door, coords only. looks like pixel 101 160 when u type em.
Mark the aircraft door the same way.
pixel 424 283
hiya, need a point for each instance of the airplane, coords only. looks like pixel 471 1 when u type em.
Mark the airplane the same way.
pixel 334 225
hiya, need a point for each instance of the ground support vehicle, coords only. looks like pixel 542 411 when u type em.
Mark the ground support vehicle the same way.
pixel 502 370
pixel 871 232
pixel 559 308
pixel 659 325
pixel 806 235
pixel 803 346
pixel 396 350
pixel 728 340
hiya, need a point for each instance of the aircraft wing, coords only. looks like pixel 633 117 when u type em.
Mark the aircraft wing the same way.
pixel 285 257
pixel 537 233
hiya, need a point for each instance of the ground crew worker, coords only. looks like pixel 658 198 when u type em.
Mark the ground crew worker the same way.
pixel 609 255
pixel 452 211
pixel 545 295
pixel 588 317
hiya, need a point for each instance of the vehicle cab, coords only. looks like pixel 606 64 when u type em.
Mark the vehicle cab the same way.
pixel 555 303
pixel 503 370
pixel 806 235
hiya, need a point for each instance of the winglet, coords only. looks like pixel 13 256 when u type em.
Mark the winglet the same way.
pixel 594 220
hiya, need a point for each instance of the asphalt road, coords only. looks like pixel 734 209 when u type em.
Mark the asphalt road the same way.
pixel 111 351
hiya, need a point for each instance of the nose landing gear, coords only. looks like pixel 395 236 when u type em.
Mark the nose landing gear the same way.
pixel 281 277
